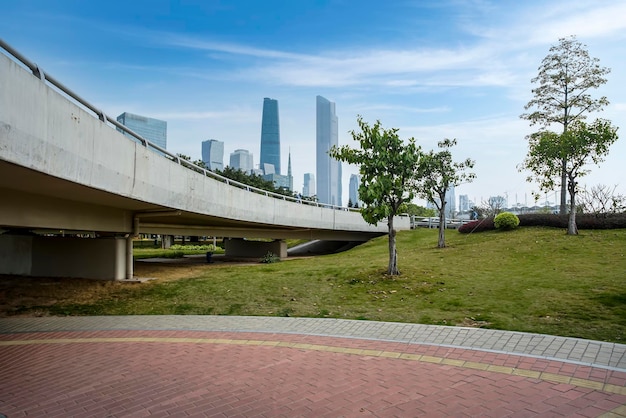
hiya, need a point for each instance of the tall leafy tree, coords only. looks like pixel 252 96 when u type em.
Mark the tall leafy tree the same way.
pixel 580 145
pixel 563 93
pixel 437 174
pixel 388 168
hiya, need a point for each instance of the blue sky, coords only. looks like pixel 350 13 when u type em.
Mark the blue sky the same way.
pixel 434 69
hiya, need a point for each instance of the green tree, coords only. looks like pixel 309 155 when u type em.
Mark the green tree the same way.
pixel 437 174
pixel 566 76
pixel 388 168
pixel 415 210
pixel 578 146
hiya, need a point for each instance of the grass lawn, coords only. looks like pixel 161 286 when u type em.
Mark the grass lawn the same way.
pixel 531 279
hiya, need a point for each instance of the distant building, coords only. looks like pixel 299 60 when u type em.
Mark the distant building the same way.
pixel 353 191
pixel 328 169
pixel 268 169
pixel 308 189
pixel 213 154
pixel 279 179
pixel 154 130
pixel 270 135
pixel 241 159
pixel 464 205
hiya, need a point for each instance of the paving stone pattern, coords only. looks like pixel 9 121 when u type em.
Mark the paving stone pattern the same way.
pixel 127 366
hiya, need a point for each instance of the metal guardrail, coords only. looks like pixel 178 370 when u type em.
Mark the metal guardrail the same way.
pixel 44 77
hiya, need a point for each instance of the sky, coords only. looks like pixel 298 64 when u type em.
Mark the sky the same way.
pixel 434 69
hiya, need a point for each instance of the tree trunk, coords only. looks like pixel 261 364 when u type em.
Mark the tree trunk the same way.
pixel 442 225
pixel 563 205
pixel 572 228
pixel 392 269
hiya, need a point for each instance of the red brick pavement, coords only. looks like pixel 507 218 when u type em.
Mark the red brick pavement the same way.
pixel 217 374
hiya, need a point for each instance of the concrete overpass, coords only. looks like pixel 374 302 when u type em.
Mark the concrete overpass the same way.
pixel 65 167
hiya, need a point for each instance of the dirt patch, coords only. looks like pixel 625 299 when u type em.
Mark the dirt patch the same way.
pixel 19 293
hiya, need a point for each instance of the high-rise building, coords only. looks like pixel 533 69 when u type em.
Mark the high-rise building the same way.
pixel 308 189
pixel 353 191
pixel 463 203
pixel 450 202
pixel 270 135
pixel 213 154
pixel 241 159
pixel 328 169
pixel 154 130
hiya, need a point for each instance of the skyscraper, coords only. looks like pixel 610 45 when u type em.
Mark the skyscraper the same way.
pixel 213 154
pixel 464 203
pixel 328 169
pixel 355 182
pixel 241 159
pixel 154 130
pixel 308 189
pixel 270 135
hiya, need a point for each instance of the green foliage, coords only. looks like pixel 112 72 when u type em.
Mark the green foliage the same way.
pixel 543 282
pixel 437 173
pixel 204 247
pixel 566 77
pixel 506 221
pixel 551 154
pixel 415 210
pixel 388 168
pixel 253 180
pixel 387 165
pixel 270 258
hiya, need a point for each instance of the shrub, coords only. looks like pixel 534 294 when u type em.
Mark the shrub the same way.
pixel 506 221
pixel 583 220
pixel 270 257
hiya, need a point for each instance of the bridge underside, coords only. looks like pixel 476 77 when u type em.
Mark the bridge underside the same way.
pixel 35 201
pixel 39 212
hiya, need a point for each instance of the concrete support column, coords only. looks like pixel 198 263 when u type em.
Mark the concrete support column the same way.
pixel 43 256
pixel 239 247
pixel 129 257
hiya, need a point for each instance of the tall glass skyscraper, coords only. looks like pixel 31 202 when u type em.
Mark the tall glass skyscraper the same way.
pixel 328 169
pixel 154 130
pixel 270 135
pixel 213 154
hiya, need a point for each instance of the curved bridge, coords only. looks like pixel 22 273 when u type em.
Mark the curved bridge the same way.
pixel 65 167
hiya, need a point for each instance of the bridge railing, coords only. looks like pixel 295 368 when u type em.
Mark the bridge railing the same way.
pixel 44 77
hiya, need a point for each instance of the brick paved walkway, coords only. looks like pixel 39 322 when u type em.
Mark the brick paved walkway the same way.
pixel 297 367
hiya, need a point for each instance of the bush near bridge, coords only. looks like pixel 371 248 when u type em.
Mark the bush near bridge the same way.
pixel 583 221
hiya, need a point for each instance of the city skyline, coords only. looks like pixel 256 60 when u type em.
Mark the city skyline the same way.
pixel 433 69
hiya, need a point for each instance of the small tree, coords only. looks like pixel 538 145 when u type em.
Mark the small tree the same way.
pixel 437 174
pixel 388 168
pixel 566 76
pixel 578 146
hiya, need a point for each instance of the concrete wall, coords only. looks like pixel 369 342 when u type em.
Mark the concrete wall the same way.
pixel 43 256
pixel 237 247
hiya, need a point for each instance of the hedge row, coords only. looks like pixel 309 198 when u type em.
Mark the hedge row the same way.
pixel 583 221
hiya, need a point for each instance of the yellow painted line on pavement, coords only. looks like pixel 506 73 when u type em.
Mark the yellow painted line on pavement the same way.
pixel 548 377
